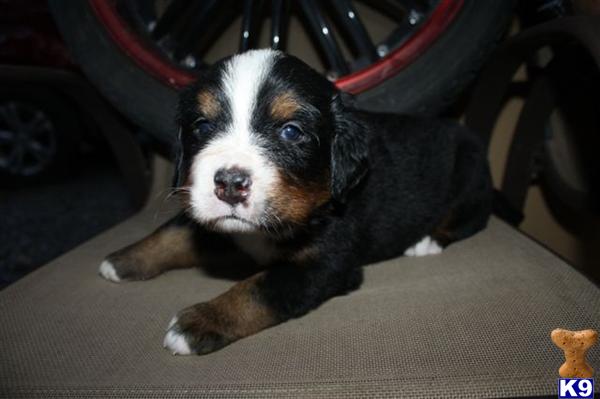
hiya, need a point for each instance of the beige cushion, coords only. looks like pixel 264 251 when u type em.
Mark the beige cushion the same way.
pixel 471 322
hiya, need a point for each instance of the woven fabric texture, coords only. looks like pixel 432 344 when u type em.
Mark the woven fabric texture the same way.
pixel 474 321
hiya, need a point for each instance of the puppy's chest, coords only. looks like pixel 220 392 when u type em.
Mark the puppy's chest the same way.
pixel 262 250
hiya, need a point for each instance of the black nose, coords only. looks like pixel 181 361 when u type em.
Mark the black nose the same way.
pixel 232 185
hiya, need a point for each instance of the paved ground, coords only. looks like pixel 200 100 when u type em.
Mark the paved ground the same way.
pixel 43 220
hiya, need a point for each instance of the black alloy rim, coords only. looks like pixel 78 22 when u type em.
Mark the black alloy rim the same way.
pixel 27 139
pixel 183 31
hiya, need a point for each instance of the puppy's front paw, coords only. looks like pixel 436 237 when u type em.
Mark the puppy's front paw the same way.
pixel 199 330
pixel 108 271
pixel 119 267
pixel 176 341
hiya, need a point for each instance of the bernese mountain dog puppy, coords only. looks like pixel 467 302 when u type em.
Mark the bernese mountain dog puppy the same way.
pixel 275 166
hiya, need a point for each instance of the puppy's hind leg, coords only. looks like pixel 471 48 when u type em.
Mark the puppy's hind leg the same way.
pixel 173 245
pixel 427 246
pixel 471 197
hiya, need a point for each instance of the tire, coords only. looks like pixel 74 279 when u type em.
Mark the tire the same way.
pixel 426 86
pixel 143 99
pixel 435 79
pixel 64 131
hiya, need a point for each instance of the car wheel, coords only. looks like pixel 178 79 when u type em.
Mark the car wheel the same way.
pixel 417 59
pixel 35 134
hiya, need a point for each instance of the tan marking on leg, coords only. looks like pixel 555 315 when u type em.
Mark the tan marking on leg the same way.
pixel 169 247
pixel 235 314
pixel 284 106
pixel 242 307
pixel 208 104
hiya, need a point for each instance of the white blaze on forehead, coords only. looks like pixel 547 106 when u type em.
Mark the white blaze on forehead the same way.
pixel 241 82
pixel 237 145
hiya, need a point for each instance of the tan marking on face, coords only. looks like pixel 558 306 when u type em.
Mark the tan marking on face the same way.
pixel 284 106
pixel 294 201
pixel 208 104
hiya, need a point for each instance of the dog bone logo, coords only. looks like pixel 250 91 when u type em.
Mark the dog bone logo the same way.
pixel 575 344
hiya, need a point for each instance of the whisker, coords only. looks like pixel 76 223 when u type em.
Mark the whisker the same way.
pixel 167 194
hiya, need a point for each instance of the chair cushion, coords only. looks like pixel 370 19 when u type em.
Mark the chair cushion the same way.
pixel 474 321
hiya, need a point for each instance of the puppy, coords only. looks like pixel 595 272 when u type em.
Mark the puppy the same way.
pixel 272 164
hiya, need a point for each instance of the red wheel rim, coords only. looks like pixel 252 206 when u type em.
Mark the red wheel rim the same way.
pixel 398 59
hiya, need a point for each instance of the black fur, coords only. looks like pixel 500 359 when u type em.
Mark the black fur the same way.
pixel 349 151
pixel 392 180
pixel 421 174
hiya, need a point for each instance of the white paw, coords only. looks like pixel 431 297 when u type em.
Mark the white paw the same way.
pixel 172 323
pixel 107 270
pixel 176 342
pixel 426 246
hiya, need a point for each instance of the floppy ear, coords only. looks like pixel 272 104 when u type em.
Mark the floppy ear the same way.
pixel 178 160
pixel 349 150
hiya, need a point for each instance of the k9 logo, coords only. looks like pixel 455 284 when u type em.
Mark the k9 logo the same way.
pixel 575 387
